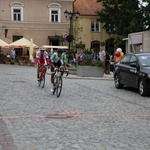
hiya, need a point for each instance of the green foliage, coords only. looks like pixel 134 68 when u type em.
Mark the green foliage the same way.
pixel 88 61
pixel 121 17
pixel 76 30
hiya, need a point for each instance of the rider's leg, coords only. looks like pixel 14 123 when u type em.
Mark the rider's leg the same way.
pixel 52 79
pixel 38 70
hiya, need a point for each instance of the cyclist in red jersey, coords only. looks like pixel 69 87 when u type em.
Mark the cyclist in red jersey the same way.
pixel 42 58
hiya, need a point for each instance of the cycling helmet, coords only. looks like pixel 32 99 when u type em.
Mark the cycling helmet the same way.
pixel 42 48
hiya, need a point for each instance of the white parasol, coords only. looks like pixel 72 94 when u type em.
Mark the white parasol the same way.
pixel 31 58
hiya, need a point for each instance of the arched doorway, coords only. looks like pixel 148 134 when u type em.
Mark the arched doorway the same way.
pixel 95 45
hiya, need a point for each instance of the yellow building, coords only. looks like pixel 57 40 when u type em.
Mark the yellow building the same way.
pixel 93 35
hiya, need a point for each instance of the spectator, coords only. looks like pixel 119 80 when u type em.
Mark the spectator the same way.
pixel 93 54
pixel 102 54
pixel 13 53
pixel 70 58
pixel 77 56
pixel 81 57
pixel 107 63
pixel 8 55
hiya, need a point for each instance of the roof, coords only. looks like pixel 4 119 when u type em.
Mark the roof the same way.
pixel 87 7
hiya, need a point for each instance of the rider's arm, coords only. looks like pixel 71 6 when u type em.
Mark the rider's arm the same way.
pixel 37 59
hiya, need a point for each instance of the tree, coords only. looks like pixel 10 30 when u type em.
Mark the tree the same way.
pixel 77 30
pixel 145 7
pixel 122 17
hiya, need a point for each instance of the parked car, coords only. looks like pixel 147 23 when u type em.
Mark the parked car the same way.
pixel 133 70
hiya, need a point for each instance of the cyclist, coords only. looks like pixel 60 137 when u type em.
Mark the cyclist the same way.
pixel 42 58
pixel 57 60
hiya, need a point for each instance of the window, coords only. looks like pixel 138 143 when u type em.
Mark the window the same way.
pixel 133 60
pixel 16 11
pixel 95 26
pixel 54 13
pixel 54 16
pixel 125 60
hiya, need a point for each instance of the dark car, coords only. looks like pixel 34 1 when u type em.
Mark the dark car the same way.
pixel 133 70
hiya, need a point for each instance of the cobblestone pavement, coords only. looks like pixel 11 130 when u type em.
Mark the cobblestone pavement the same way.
pixel 88 115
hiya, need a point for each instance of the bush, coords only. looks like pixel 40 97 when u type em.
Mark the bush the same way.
pixel 88 62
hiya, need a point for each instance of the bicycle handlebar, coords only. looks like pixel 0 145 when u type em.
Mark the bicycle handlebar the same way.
pixel 63 71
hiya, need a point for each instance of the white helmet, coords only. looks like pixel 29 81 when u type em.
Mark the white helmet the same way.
pixel 42 48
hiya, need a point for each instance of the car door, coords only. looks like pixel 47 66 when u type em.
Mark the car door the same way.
pixel 124 69
pixel 133 71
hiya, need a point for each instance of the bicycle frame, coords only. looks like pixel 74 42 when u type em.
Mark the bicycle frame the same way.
pixel 42 71
pixel 58 80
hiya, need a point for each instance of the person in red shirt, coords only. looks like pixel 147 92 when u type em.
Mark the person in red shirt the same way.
pixel 42 58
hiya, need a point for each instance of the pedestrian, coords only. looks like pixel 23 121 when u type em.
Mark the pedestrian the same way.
pixel 93 54
pixel 82 57
pixel 107 63
pixel 102 54
pixel 13 53
pixel 77 55
pixel 71 58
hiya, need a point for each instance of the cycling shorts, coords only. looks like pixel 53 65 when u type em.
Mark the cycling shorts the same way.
pixel 57 65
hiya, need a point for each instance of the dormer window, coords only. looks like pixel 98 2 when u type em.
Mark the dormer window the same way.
pixel 17 11
pixel 54 13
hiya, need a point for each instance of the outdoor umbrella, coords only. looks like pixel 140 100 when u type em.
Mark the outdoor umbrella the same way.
pixel 31 51
pixel 3 44
pixel 22 43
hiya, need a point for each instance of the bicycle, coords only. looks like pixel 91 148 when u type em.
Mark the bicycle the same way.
pixel 58 80
pixel 42 71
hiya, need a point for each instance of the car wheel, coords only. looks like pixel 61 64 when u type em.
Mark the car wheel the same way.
pixel 143 88
pixel 118 85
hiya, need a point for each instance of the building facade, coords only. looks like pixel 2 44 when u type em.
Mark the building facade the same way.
pixel 44 21
pixel 41 20
pixel 93 35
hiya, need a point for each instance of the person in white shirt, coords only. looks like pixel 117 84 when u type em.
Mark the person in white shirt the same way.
pixel 102 54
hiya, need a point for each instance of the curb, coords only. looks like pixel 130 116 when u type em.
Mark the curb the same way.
pixel 70 76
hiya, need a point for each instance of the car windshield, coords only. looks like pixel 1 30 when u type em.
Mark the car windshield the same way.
pixel 145 60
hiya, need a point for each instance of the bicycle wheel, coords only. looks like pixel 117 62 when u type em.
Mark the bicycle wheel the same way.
pixel 43 80
pixel 59 86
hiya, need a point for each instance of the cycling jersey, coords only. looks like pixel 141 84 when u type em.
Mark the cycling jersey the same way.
pixel 63 58
pixel 54 57
pixel 42 58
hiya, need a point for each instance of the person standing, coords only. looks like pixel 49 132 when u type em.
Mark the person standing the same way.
pixel 102 57
pixel 13 53
pixel 102 54
pixel 107 63
pixel 93 54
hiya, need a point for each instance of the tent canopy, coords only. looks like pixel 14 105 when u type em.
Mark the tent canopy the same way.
pixel 3 43
pixel 22 43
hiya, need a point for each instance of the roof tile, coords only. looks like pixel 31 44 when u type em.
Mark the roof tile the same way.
pixel 87 7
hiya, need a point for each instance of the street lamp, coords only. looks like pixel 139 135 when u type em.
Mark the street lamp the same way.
pixel 70 16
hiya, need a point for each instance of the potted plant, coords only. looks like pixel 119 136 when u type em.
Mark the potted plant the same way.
pixel 91 68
